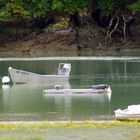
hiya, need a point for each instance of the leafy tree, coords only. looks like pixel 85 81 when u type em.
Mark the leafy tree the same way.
pixel 16 8
pixel 28 8
pixel 70 6
pixel 135 6
pixel 37 8
pixel 121 17
pixel 113 15
pixel 4 14
pixel 112 5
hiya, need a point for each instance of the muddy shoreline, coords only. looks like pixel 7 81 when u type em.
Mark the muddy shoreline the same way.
pixel 26 49
pixel 62 40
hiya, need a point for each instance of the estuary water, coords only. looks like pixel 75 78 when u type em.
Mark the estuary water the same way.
pixel 27 101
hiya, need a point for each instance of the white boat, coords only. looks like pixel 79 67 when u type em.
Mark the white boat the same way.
pixel 132 112
pixel 92 89
pixel 20 76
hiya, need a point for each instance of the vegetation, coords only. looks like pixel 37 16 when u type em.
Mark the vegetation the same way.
pixel 38 125
pixel 112 15
pixel 69 130
pixel 39 8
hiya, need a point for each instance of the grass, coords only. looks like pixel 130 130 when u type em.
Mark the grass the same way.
pixel 86 130
pixel 38 125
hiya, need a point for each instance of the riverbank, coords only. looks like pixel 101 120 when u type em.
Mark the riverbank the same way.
pixel 113 130
pixel 63 40
pixel 30 49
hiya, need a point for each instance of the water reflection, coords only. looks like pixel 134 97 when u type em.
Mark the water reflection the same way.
pixel 27 102
pixel 80 106
pixel 95 97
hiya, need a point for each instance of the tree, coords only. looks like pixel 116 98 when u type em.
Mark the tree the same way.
pixel 37 8
pixel 72 7
pixel 17 9
pixel 113 15
pixel 4 14
pixel 120 13
pixel 135 6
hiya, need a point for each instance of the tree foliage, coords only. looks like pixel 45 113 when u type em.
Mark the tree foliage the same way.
pixel 70 6
pixel 135 6
pixel 39 8
pixel 4 14
pixel 110 6
pixel 16 8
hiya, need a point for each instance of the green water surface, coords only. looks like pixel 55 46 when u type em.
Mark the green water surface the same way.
pixel 27 102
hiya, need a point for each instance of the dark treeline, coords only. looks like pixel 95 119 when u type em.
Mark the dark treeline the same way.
pixel 115 16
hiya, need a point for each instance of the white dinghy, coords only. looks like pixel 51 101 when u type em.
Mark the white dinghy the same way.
pixel 92 89
pixel 20 76
pixel 132 112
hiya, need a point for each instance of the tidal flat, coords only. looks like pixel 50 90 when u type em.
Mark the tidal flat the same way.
pixel 87 130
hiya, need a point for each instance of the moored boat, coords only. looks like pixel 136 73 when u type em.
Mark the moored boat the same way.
pixel 21 76
pixel 92 89
pixel 132 112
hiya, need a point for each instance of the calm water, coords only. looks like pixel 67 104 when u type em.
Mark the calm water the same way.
pixel 27 102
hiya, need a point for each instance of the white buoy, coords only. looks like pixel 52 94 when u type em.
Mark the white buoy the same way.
pixel 5 80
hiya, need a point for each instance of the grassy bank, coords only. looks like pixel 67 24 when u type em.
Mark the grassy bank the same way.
pixel 70 130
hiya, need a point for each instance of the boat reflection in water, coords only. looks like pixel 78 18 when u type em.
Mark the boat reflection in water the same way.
pixel 95 97
pixel 24 102
pixel 81 106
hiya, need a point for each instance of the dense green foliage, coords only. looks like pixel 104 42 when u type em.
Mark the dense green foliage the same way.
pixel 70 6
pixel 39 8
pixel 135 6
pixel 112 5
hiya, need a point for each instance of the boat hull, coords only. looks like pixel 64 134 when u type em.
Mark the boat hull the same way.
pixel 130 117
pixel 20 76
pixel 130 113
pixel 76 91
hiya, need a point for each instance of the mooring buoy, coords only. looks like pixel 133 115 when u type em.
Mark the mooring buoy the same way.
pixel 5 80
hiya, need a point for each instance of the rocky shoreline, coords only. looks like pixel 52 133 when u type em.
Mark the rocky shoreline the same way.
pixel 67 40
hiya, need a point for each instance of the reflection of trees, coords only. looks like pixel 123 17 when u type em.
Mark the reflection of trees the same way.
pixel 118 71
pixel 124 70
pixel 94 72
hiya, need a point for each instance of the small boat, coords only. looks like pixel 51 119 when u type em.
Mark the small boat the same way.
pixel 92 89
pixel 132 112
pixel 20 76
